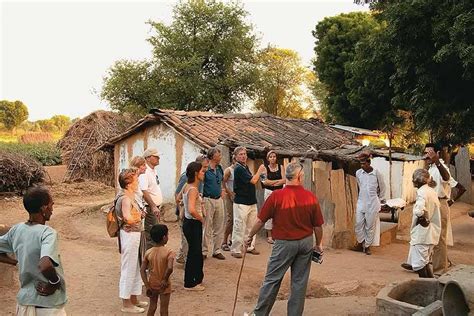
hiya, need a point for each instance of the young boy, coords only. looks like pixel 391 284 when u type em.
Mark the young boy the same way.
pixel 42 286
pixel 159 263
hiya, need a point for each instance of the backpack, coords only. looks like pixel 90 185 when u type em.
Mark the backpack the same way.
pixel 112 221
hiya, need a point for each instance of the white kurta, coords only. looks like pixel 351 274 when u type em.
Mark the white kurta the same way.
pixel 371 191
pixel 423 239
pixel 443 189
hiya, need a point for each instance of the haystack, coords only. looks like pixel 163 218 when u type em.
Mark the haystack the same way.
pixel 82 140
pixel 18 172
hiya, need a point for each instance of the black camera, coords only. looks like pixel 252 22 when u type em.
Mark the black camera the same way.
pixel 317 257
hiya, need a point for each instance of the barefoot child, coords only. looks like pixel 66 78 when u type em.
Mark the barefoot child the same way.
pixel 159 263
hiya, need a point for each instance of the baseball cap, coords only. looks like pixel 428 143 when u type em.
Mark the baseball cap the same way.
pixel 151 152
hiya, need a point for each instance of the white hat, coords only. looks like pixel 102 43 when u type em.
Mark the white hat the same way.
pixel 151 152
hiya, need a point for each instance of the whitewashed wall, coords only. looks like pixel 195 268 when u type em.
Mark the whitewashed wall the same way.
pixel 402 186
pixel 171 150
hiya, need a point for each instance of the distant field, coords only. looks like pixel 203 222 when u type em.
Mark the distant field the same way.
pixel 48 154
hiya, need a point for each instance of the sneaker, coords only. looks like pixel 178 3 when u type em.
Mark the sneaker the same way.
pixel 198 287
pixel 132 310
pixel 225 247
pixel 142 304
pixel 219 256
pixel 254 251
pixel 236 255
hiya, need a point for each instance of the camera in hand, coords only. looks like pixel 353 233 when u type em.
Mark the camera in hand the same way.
pixel 317 257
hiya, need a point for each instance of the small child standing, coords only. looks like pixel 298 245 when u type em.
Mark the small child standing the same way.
pixel 159 263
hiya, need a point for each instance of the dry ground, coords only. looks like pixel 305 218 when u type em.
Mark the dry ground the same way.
pixel 345 284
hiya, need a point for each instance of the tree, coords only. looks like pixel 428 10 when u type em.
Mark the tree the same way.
pixel 280 89
pixel 12 113
pixel 336 39
pixel 203 60
pixel 62 122
pixel 131 86
pixel 431 44
pixel 368 83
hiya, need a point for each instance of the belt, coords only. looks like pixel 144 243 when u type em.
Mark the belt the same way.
pixel 213 197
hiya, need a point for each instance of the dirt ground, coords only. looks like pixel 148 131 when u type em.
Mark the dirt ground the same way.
pixel 345 284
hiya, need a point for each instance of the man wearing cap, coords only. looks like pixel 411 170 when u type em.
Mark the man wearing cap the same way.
pixel 371 195
pixel 150 186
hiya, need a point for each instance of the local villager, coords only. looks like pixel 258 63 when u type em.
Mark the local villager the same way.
pixel 158 262
pixel 214 205
pixel 296 218
pixel 192 227
pixel 426 225
pixel 274 179
pixel 228 204
pixel 245 202
pixel 178 195
pixel 150 186
pixel 371 195
pixel 439 173
pixel 35 245
pixel 130 218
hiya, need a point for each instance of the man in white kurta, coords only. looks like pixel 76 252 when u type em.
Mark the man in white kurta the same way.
pixel 439 173
pixel 371 193
pixel 423 239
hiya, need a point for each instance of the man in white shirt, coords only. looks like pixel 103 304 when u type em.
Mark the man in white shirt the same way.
pixel 426 225
pixel 371 194
pixel 439 172
pixel 150 186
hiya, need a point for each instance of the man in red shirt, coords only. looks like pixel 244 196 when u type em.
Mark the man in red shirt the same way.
pixel 296 218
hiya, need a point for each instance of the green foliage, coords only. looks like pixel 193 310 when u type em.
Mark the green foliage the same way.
pixel 48 154
pixel 12 113
pixel 336 39
pixel 431 44
pixel 131 86
pixel 280 88
pixel 203 60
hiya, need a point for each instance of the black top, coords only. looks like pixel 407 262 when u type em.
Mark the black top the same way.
pixel 273 175
pixel 243 189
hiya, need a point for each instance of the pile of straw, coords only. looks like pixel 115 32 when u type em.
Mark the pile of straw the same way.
pixel 93 164
pixel 18 172
pixel 36 137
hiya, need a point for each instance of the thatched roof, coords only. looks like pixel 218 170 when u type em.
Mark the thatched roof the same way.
pixel 84 137
pixel 257 131
pixel 18 172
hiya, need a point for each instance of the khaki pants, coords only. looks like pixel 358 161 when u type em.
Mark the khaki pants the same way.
pixel 440 252
pixel 244 218
pixel 213 226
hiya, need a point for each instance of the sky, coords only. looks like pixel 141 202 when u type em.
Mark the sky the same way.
pixel 54 55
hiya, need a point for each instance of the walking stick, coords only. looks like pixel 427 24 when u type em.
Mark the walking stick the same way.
pixel 238 281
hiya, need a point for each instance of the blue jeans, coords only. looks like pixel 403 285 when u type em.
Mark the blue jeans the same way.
pixel 285 254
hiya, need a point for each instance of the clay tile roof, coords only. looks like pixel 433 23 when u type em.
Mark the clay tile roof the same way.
pixel 259 131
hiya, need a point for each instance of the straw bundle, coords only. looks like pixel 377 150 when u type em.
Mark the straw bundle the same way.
pixel 36 137
pixel 18 172
pixel 99 126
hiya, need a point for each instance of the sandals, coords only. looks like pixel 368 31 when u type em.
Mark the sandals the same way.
pixel 270 240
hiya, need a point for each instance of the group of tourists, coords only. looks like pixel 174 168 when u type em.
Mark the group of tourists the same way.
pixel 217 212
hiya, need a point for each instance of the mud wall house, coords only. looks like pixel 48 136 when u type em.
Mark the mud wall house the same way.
pixel 327 155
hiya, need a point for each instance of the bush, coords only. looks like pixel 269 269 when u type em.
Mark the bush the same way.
pixel 48 154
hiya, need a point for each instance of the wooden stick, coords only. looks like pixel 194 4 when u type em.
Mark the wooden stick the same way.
pixel 238 281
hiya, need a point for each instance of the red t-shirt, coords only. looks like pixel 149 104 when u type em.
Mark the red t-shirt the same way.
pixel 295 211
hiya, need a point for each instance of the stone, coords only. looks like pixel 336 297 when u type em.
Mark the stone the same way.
pixel 342 287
